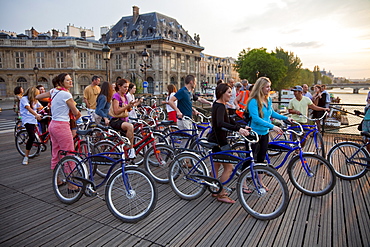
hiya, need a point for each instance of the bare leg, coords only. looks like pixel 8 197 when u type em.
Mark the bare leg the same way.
pixel 129 128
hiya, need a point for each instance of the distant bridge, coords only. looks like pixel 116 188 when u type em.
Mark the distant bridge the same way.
pixel 355 86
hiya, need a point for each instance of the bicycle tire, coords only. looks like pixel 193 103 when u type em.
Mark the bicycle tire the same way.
pixel 320 180
pixel 159 138
pixel 181 184
pixel 21 139
pixel 67 168
pixel 315 144
pixel 344 168
pixel 158 168
pixel 139 156
pixel 102 147
pixel 262 203
pixel 195 146
pixel 137 203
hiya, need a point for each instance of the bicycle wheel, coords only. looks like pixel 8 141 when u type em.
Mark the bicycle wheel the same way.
pixel 64 172
pixel 197 148
pixel 313 176
pixel 102 147
pixel 315 144
pixel 132 197
pixel 346 162
pixel 159 138
pixel 156 161
pixel 21 139
pixel 274 136
pixel 139 156
pixel 269 195
pixel 183 176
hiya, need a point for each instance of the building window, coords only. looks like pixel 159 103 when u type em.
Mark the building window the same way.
pixel 21 81
pixel 192 64
pixel 60 59
pixel 2 87
pixel 19 60
pixel 182 63
pixel 132 61
pixel 118 61
pixel 1 60
pixel 173 61
pixel 40 59
pixel 132 47
pixel 98 61
pixel 83 60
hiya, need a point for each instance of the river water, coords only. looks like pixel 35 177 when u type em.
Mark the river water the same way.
pixel 348 97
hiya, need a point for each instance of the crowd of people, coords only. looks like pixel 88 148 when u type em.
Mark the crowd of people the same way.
pixel 113 105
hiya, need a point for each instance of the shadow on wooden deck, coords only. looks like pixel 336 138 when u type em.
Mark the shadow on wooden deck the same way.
pixel 31 215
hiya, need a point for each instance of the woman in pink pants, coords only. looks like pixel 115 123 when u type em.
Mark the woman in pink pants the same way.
pixel 63 108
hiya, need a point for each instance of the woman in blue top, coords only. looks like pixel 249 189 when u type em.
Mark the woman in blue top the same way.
pixel 103 103
pixel 261 111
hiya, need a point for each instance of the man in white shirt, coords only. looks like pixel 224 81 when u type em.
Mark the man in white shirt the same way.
pixel 300 104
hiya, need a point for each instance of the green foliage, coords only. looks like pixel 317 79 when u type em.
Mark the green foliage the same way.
pixel 326 80
pixel 293 65
pixel 306 77
pixel 257 62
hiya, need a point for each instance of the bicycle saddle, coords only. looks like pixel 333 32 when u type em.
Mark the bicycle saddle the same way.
pixel 207 144
pixel 167 122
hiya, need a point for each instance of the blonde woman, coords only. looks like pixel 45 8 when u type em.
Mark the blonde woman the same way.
pixel 260 110
pixel 28 107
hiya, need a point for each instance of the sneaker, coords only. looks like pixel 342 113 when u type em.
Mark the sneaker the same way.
pixel 131 153
pixel 25 161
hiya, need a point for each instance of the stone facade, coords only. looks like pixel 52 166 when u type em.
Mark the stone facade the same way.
pixel 173 54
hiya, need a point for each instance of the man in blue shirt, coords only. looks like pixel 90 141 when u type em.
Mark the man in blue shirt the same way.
pixel 184 99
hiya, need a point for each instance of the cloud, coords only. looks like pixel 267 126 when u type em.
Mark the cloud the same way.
pixel 311 44
pixel 241 29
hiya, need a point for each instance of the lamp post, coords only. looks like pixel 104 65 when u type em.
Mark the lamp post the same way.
pixel 106 57
pixel 144 66
pixel 36 70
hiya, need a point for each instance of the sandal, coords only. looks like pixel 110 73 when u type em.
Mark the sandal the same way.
pixel 224 198
pixel 247 191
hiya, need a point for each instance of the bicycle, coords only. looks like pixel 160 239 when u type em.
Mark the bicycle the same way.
pixel 189 179
pixel 312 140
pixel 309 173
pixel 130 193
pixel 350 160
pixel 39 145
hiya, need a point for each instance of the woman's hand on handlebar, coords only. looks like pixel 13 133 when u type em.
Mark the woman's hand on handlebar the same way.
pixel 244 131
pixel 277 129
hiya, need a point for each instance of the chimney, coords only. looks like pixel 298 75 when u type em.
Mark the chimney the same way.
pixel 83 35
pixel 135 14
pixel 55 33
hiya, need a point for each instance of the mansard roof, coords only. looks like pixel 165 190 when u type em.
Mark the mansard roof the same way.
pixel 150 26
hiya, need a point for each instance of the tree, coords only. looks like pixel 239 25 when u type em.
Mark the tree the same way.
pixel 255 63
pixel 293 65
pixel 317 75
pixel 306 77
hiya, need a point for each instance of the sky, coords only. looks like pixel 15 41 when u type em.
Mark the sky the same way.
pixel 333 34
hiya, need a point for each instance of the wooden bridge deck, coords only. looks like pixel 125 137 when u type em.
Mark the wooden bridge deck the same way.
pixel 32 216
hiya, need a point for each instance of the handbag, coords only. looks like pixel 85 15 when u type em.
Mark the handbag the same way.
pixel 359 127
pixel 123 114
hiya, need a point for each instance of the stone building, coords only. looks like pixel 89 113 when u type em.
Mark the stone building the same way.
pixel 173 54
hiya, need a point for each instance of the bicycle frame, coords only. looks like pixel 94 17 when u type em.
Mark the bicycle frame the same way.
pixel 229 153
pixel 350 159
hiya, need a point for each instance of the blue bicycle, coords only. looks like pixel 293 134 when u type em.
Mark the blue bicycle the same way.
pixel 130 193
pixel 267 194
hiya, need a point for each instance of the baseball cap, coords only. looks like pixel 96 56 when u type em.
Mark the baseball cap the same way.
pixel 238 84
pixel 297 88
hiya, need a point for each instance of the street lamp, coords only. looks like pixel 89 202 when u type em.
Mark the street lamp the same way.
pixel 144 66
pixel 36 70
pixel 106 57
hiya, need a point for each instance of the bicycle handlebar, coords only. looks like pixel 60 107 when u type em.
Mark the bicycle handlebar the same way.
pixel 251 138
pixel 300 133
pixel 315 119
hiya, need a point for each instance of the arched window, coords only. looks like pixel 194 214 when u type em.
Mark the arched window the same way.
pixel 83 82
pixel 172 80
pixel 182 82
pixel 150 31
pixel 134 33
pixel 43 81
pixel 21 81
pixel 150 85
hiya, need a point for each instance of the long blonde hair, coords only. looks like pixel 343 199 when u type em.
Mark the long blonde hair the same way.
pixel 32 92
pixel 257 93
